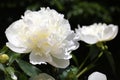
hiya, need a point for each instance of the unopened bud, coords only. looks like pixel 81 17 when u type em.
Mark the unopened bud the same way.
pixel 4 58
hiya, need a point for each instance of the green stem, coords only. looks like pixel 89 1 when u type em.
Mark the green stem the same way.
pixel 85 70
pixel 99 56
pixel 89 66
pixel 75 59
pixel 83 62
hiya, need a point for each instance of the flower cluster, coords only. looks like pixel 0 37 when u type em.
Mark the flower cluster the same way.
pixel 48 37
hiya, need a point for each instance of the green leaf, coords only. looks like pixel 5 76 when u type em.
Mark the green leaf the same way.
pixel 28 68
pixel 69 74
pixel 4 49
pixel 111 61
pixel 10 70
pixel 75 59
pixel 58 4
pixel 10 73
pixel 94 52
pixel 13 56
pixel 8 78
pixel 23 77
pixel 2 67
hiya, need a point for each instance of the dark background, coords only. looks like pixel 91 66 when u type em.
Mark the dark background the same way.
pixel 83 12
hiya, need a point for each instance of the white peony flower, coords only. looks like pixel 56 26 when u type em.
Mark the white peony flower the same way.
pixel 96 33
pixel 42 76
pixel 97 76
pixel 45 34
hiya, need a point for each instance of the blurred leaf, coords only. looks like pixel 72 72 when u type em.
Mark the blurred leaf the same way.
pixel 34 6
pixel 111 61
pixel 28 68
pixel 86 10
pixel 10 71
pixel 13 56
pixel 69 74
pixel 2 67
pixel 94 52
pixel 4 49
pixel 22 77
pixel 75 59
pixel 8 78
pixel 58 3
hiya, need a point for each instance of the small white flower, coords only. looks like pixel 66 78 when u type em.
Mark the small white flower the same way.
pixel 96 33
pixel 45 34
pixel 42 76
pixel 97 76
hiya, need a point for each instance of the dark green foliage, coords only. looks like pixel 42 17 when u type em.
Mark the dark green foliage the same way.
pixel 69 74
pixel 28 68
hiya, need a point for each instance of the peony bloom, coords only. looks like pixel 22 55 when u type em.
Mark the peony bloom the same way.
pixel 42 76
pixel 96 33
pixel 97 76
pixel 45 34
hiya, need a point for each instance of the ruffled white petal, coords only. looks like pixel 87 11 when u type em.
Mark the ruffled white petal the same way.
pixel 37 58
pixel 59 63
pixel 66 49
pixel 59 54
pixel 97 76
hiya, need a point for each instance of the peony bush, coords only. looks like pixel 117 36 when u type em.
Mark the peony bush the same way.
pixel 45 36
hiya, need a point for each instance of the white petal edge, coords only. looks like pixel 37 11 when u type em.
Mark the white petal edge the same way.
pixel 17 49
pixel 37 58
pixel 64 53
pixel 61 54
pixel 112 32
pixel 59 63
pixel 115 29
pixel 12 33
